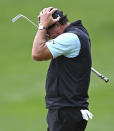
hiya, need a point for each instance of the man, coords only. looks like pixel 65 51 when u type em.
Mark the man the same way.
pixel 68 76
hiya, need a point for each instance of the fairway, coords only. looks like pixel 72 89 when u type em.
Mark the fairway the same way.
pixel 22 80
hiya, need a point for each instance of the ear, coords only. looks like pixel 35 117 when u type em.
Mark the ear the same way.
pixel 57 23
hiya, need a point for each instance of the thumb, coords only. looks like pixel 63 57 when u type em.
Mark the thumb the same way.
pixel 57 19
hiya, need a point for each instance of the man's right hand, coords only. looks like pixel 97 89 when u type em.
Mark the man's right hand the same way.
pixel 46 18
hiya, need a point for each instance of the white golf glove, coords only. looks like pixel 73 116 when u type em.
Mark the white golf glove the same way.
pixel 86 114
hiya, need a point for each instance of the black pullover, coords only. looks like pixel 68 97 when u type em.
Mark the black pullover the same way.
pixel 68 78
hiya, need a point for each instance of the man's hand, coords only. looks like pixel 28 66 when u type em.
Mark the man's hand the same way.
pixel 40 50
pixel 46 18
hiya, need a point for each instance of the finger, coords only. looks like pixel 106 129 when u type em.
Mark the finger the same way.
pixel 40 14
pixel 57 19
pixel 53 10
pixel 44 10
pixel 47 10
pixel 50 8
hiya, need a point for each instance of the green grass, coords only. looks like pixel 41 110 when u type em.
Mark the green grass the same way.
pixel 22 80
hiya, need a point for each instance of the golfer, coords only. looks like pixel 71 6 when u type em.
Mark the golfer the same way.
pixel 68 47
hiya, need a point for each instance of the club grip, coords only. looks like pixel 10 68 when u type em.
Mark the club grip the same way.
pixel 100 75
pixel 104 78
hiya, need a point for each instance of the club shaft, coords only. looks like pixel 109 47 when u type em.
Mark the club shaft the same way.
pixel 30 21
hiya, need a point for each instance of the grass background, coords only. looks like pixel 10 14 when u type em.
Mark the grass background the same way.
pixel 22 80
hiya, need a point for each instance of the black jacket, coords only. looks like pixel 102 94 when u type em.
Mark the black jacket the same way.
pixel 68 78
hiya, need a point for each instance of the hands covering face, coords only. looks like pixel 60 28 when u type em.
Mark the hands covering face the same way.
pixel 46 18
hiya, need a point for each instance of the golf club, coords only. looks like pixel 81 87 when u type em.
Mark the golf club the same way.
pixel 92 69
pixel 20 15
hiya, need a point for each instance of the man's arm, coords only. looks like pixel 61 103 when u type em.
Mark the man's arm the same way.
pixel 40 51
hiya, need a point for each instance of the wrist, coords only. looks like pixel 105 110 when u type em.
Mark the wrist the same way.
pixel 42 24
pixel 41 27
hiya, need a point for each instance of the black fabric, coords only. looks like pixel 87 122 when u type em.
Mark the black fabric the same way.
pixel 68 79
pixel 66 119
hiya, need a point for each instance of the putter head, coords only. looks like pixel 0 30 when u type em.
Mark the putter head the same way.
pixel 17 17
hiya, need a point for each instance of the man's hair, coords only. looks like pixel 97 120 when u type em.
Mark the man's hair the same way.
pixel 63 18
